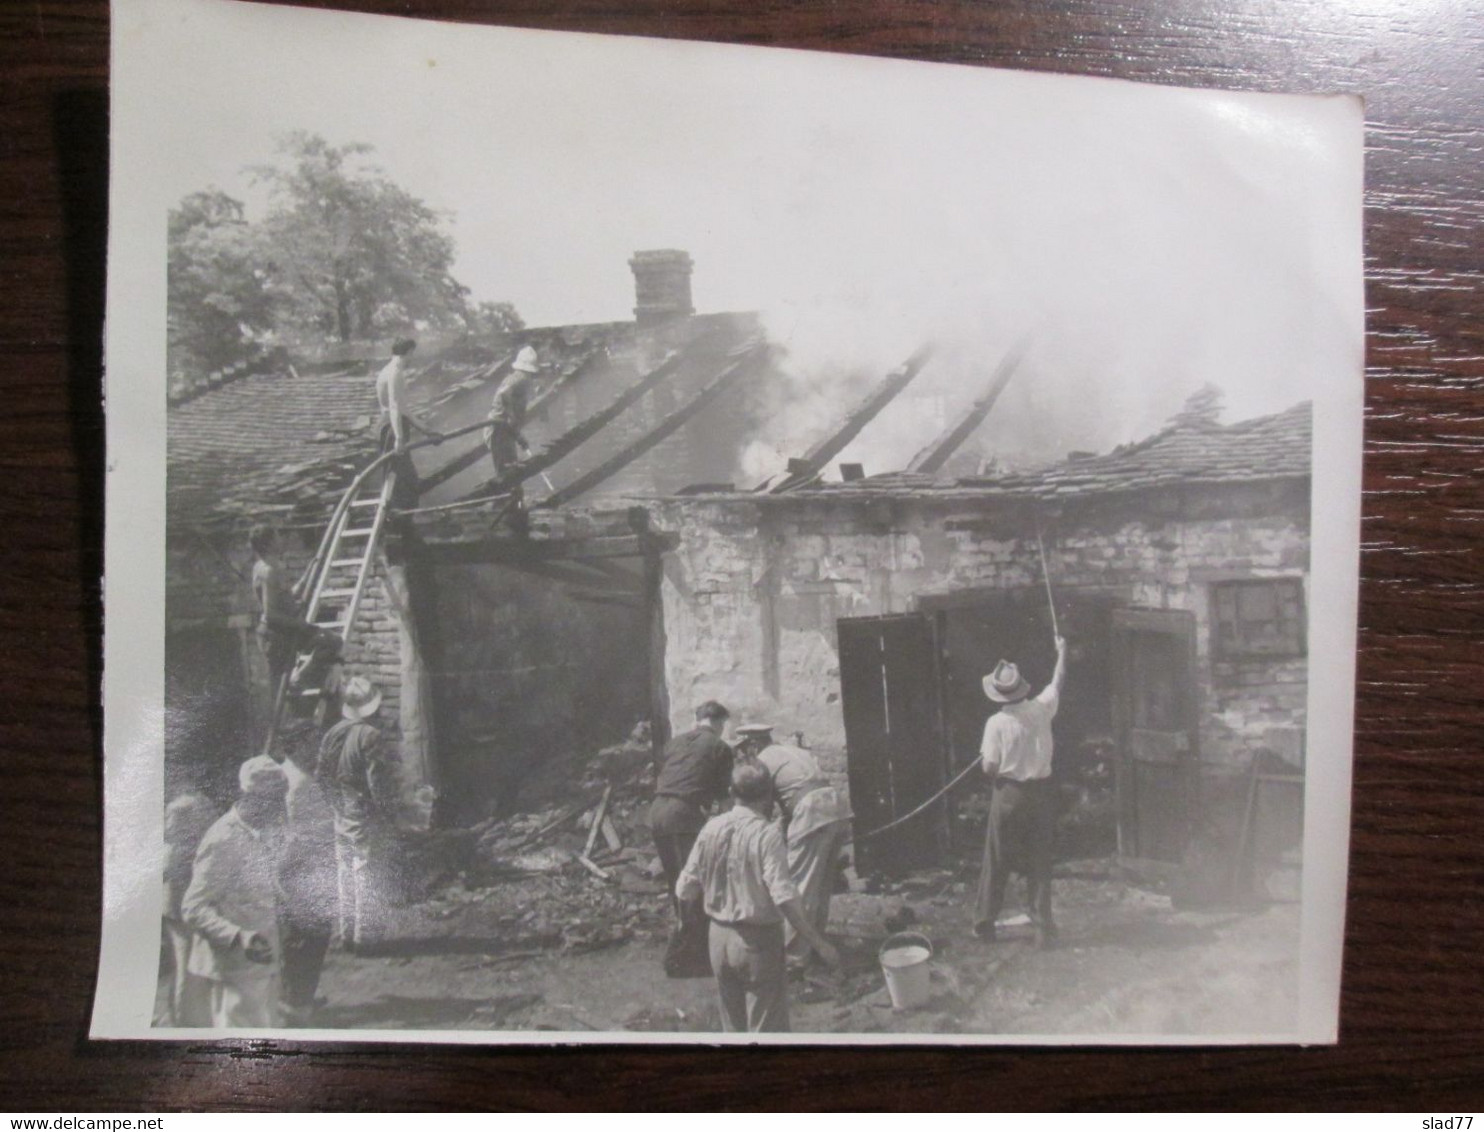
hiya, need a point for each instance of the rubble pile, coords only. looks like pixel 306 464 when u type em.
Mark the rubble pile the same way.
pixel 575 871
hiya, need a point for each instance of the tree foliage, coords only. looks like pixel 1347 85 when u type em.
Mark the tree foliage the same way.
pixel 343 253
pixel 218 302
pixel 348 253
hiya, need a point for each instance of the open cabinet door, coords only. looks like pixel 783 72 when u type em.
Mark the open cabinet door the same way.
pixel 891 692
pixel 1157 721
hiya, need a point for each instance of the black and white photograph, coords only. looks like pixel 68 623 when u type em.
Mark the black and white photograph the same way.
pixel 630 540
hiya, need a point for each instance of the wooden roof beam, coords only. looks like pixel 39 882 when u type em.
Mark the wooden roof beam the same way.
pixel 747 357
pixel 814 461
pixel 562 446
pixel 935 455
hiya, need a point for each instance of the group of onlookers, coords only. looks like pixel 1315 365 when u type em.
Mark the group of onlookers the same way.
pixel 254 897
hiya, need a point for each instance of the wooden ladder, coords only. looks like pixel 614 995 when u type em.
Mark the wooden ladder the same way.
pixel 337 575
pixel 340 581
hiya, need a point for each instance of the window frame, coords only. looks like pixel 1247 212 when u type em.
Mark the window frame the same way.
pixel 1241 648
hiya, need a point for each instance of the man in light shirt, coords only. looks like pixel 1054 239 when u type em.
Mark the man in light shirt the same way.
pixel 231 903
pixel 739 870
pixel 1016 754
pixel 816 826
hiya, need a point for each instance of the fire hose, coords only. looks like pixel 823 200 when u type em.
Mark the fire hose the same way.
pixel 961 775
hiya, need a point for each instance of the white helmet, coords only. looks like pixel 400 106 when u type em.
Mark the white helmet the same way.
pixel 525 360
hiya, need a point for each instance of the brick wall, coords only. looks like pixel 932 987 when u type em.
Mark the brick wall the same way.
pixel 754 589
pixel 209 584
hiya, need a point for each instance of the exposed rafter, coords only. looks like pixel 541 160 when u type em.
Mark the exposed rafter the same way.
pixel 579 434
pixel 512 550
pixel 935 455
pixel 576 572
pixel 813 462
pixel 468 459
pixel 746 357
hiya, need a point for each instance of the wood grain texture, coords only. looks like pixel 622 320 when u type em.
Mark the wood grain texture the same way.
pixel 1413 998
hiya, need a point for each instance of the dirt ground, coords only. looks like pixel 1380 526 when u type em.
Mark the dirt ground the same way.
pixel 567 952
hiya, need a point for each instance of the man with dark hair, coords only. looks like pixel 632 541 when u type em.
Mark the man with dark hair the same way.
pixel 1016 753
pixel 281 631
pixel 738 869
pixel 392 396
pixel 693 776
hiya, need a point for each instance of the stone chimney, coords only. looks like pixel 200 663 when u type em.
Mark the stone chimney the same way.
pixel 661 286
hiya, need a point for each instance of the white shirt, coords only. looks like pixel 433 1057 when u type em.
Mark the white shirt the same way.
pixel 391 391
pixel 1017 738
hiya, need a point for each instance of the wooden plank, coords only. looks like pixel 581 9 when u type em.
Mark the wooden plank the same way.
pixel 935 455
pixel 750 357
pixel 536 408
pixel 572 573
pixel 569 441
pixel 813 461
pixel 509 549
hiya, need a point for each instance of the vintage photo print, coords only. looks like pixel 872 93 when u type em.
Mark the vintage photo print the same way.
pixel 627 540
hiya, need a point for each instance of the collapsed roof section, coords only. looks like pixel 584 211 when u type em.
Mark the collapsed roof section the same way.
pixel 1188 452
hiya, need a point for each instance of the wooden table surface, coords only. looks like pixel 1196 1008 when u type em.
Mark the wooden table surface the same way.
pixel 1412 1036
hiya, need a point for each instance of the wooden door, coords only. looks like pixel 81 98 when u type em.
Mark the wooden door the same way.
pixel 891 695
pixel 1157 720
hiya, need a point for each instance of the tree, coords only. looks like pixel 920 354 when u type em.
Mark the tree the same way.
pixel 218 303
pixel 348 253
pixel 495 319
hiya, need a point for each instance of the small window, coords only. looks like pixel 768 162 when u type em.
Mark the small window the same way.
pixel 1257 619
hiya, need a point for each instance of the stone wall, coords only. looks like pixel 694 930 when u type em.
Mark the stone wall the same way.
pixel 755 586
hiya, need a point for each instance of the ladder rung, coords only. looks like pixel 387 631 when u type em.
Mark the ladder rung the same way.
pixel 345 562
pixel 362 533
pixel 330 624
pixel 336 593
pixel 373 502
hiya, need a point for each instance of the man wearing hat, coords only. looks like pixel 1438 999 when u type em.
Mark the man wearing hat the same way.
pixel 357 772
pixel 816 825
pixel 1016 754
pixel 507 416
pixel 232 905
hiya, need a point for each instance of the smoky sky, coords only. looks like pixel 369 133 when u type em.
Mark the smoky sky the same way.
pixel 1145 240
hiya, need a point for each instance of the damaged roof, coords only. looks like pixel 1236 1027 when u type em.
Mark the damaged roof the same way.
pixel 1261 448
pixel 285 443
pixel 1189 451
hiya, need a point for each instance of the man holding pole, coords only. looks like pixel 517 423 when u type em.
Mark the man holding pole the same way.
pixel 1016 753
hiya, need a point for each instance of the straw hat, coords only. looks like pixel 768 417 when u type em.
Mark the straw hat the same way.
pixel 1005 685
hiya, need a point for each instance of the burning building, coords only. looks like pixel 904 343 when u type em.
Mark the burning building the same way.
pixel 860 613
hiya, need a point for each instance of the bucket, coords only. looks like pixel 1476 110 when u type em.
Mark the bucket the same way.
pixel 904 960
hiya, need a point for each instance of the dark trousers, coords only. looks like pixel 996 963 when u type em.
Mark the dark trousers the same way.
pixel 751 977
pixel 1022 822
pixel 504 452
pixel 685 955
pixel 304 947
pixel 306 918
